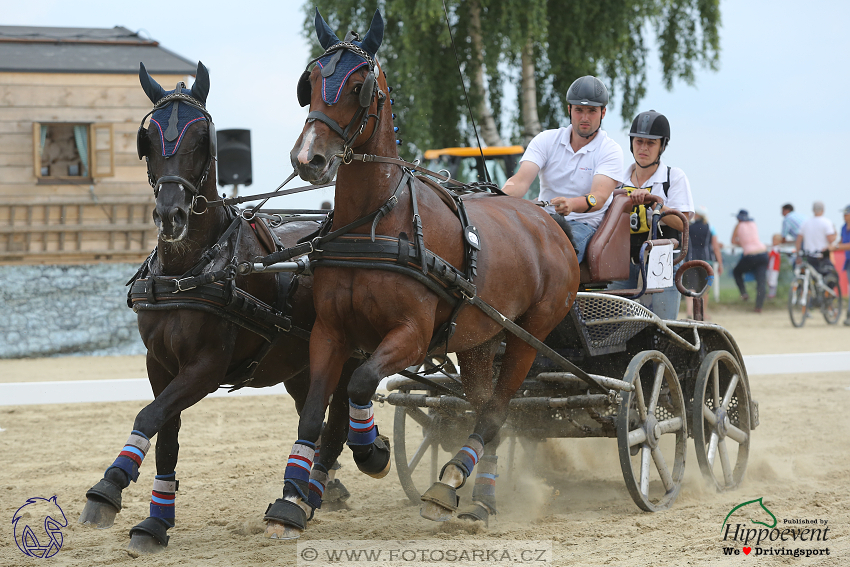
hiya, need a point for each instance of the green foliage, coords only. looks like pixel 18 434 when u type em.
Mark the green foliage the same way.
pixel 607 38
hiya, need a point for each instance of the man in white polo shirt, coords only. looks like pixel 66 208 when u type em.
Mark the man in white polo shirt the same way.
pixel 815 238
pixel 579 166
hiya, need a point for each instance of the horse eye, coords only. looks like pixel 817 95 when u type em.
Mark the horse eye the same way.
pixel 357 89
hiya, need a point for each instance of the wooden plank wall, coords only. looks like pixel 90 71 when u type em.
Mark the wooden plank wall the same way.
pixel 109 219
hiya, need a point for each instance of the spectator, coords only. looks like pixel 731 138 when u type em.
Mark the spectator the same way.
pixel 814 240
pixel 753 260
pixel 702 245
pixel 791 224
pixel 845 247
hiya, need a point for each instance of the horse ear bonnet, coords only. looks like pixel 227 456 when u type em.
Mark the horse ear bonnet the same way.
pixel 338 66
pixel 172 119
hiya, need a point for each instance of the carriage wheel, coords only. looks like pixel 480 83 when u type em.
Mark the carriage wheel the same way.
pixel 798 303
pixel 423 439
pixel 652 432
pixel 831 300
pixel 721 414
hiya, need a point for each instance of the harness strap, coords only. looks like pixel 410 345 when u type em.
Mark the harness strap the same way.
pixel 311 246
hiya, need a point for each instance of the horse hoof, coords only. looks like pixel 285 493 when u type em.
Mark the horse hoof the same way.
pixel 439 502
pixel 277 530
pixel 377 462
pixel 475 512
pixel 434 512
pixel 335 493
pixel 98 513
pixel 143 544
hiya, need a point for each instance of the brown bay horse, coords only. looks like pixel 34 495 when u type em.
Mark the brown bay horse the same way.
pixel 194 349
pixel 526 269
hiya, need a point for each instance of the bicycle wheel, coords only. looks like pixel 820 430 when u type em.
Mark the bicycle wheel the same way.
pixel 798 304
pixel 831 299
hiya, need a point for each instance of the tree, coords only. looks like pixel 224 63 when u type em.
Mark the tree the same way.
pixel 542 44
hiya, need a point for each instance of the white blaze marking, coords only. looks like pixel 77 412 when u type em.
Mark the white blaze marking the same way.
pixel 306 144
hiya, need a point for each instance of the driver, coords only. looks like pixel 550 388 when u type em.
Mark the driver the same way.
pixel 579 166
pixel 648 138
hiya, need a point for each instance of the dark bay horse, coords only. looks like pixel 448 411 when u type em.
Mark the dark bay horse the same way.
pixel 193 350
pixel 526 269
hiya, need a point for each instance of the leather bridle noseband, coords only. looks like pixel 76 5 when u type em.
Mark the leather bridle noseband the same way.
pixel 358 122
pixel 183 183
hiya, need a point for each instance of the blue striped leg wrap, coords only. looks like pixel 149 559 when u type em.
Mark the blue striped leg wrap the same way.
pixel 485 478
pixel 361 424
pixel 318 482
pixel 469 454
pixel 162 498
pixel 298 466
pixel 132 455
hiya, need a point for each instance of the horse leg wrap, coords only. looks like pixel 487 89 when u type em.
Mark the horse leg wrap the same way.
pixel 132 455
pixel 162 498
pixel 467 457
pixel 361 425
pixel 299 465
pixel 318 481
pixel 370 449
pixel 483 493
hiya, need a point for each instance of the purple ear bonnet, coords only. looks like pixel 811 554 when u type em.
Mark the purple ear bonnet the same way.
pixel 169 122
pixel 338 65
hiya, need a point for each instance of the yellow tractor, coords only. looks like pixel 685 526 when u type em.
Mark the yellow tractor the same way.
pixel 464 164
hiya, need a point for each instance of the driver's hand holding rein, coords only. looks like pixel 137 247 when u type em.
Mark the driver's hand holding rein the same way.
pixel 579 166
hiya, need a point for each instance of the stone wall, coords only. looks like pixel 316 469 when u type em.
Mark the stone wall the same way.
pixel 79 309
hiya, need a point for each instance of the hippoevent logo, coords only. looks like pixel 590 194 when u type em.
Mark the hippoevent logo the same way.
pixel 38 527
pixel 773 538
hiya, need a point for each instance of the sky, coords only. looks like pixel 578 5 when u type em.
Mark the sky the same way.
pixel 765 129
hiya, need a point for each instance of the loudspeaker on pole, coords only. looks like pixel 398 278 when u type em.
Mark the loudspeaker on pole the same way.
pixel 234 157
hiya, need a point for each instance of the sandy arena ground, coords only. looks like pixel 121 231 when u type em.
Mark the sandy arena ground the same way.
pixel 233 452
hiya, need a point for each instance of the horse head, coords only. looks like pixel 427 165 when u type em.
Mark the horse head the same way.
pixel 346 90
pixel 179 145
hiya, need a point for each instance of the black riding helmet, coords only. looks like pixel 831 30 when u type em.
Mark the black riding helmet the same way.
pixel 651 125
pixel 587 91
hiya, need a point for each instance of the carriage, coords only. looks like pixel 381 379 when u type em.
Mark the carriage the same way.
pixel 667 381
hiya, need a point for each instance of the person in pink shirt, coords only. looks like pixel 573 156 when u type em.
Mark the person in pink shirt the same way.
pixel 753 260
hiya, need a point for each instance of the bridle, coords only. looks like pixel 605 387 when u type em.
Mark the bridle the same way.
pixel 183 183
pixel 357 124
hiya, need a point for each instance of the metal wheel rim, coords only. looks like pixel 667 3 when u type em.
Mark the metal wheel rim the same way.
pixel 796 310
pixel 404 467
pixel 716 374
pixel 831 306
pixel 656 484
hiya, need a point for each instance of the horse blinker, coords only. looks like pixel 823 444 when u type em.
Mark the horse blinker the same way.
pixel 305 90
pixel 367 90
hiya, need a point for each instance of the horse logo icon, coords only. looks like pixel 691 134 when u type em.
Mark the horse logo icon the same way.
pixel 38 527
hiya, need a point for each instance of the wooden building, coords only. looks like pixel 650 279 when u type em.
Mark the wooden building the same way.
pixel 72 187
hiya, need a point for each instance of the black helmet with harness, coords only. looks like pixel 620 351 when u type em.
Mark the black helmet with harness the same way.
pixel 651 125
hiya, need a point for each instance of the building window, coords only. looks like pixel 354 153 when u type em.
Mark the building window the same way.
pixel 72 153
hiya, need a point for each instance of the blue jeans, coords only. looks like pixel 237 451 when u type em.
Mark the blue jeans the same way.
pixel 578 232
pixel 665 303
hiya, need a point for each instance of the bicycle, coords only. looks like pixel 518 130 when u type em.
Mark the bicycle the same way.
pixel 812 289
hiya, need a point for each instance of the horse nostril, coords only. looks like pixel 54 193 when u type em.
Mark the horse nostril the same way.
pixel 157 218
pixel 318 162
pixel 178 218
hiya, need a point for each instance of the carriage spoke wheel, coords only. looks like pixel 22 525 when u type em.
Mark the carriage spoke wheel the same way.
pixel 799 303
pixel 652 432
pixel 721 415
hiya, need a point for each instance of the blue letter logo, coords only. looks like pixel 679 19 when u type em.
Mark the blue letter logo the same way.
pixel 39 513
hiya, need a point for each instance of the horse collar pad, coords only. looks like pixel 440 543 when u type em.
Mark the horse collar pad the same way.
pixel 172 121
pixel 336 68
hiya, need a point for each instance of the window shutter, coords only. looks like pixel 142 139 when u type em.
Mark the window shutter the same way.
pixel 103 150
pixel 36 149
